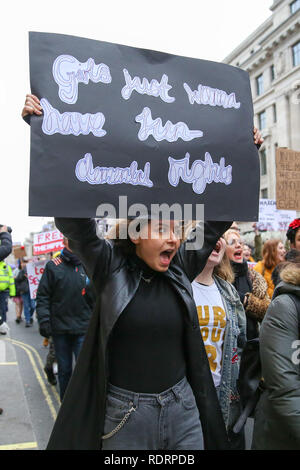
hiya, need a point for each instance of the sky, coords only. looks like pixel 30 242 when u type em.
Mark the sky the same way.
pixel 207 30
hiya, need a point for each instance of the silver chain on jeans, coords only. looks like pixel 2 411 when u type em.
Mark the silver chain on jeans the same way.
pixel 120 425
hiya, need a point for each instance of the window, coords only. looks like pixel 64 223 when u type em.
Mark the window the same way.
pixel 274 113
pixel 263 162
pixel 262 120
pixel 272 73
pixel 294 6
pixel 259 85
pixel 264 193
pixel 296 54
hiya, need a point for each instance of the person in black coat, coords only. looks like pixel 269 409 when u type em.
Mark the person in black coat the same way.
pixel 143 344
pixel 144 337
pixel 5 243
pixel 63 310
pixel 5 250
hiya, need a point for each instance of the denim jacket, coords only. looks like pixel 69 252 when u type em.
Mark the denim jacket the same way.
pixel 234 341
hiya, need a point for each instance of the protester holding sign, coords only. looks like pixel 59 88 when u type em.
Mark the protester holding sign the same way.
pixel 159 270
pixel 223 326
pixel 162 140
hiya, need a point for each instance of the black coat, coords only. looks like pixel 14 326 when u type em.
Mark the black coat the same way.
pixel 80 421
pixel 5 245
pixel 21 282
pixel 62 297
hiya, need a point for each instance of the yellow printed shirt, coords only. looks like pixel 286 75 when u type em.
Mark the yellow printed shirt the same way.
pixel 212 321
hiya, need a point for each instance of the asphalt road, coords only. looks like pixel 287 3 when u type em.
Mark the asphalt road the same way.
pixel 40 399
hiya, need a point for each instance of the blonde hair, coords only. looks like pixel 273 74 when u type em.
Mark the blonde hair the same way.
pixel 224 269
pixel 231 231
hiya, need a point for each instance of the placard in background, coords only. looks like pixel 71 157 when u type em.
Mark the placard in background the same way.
pixel 287 179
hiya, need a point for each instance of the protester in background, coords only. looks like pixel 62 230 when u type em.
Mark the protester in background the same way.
pixel 258 244
pixel 277 418
pixel 247 253
pixel 63 312
pixel 293 234
pixel 5 250
pixel 290 256
pixel 23 286
pixel 273 254
pixel 18 297
pixel 223 326
pixel 7 288
pixel 251 286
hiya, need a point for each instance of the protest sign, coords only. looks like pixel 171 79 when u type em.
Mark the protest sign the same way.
pixel 272 219
pixel 46 242
pixel 35 271
pixel 287 179
pixel 153 127
pixel 19 251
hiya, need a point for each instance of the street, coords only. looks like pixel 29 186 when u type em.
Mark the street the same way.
pixel 30 404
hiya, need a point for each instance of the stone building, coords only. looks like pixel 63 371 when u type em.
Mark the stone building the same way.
pixel 271 55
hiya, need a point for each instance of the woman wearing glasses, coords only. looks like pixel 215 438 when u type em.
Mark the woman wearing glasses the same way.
pixel 251 286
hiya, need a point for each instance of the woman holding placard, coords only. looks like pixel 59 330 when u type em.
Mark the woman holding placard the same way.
pixel 142 379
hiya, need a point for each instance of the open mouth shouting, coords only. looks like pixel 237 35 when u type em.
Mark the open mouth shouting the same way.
pixel 166 256
pixel 238 254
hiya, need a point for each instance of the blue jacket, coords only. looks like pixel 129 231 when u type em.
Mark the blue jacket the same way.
pixel 234 341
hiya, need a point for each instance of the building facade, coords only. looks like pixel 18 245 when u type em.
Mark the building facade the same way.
pixel 271 56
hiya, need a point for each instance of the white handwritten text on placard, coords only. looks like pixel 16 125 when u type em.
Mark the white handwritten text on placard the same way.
pixel 71 123
pixel 201 172
pixel 68 72
pixel 154 88
pixel 85 171
pixel 170 132
pixel 211 96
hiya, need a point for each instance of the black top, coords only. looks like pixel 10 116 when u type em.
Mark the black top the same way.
pixel 146 352
pixel 243 285
pixel 5 245
pixel 242 281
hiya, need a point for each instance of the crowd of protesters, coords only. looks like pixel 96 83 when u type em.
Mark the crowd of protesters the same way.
pixel 174 348
pixel 234 307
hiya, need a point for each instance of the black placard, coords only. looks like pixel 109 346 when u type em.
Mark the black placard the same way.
pixel 154 127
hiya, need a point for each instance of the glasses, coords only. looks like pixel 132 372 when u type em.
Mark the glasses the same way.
pixel 234 242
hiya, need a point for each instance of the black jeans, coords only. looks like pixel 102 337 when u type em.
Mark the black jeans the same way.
pixel 66 346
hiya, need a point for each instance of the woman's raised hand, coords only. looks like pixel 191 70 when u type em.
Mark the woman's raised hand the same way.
pixel 32 106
